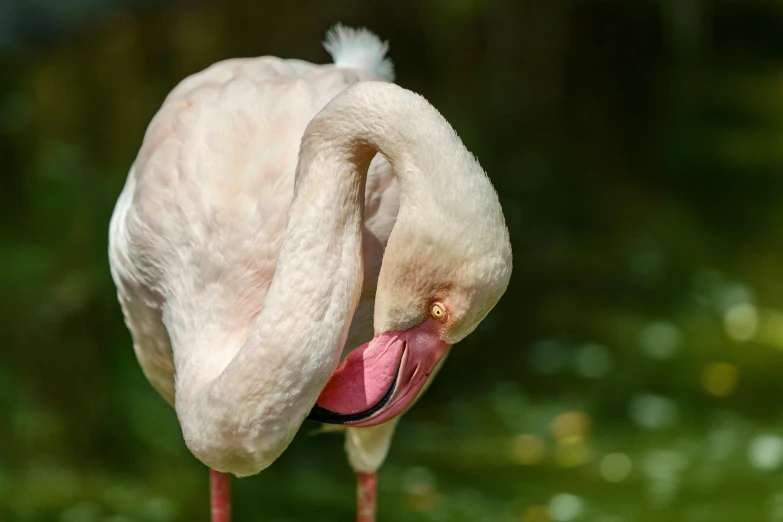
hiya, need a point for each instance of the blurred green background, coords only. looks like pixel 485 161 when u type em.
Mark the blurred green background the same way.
pixel 632 372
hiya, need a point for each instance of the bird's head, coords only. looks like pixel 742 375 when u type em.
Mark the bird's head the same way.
pixel 447 263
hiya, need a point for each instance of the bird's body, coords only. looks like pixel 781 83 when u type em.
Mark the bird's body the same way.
pixel 206 229
pixel 252 233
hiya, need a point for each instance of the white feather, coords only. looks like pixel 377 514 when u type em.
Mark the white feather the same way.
pixel 359 49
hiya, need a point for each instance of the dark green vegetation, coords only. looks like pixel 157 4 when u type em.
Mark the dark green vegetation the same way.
pixel 632 372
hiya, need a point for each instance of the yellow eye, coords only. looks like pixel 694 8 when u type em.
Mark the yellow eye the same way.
pixel 438 311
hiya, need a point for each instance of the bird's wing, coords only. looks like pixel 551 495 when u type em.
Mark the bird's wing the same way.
pixel 206 203
pixel 140 300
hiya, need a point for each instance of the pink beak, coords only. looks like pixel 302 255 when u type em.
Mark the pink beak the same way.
pixel 380 379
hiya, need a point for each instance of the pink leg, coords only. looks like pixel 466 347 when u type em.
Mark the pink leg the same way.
pixel 365 496
pixel 220 495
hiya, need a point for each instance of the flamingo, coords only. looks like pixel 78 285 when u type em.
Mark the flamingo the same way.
pixel 280 211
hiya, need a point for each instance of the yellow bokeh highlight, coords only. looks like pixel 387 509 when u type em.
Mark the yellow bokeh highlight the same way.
pixel 537 514
pixel 572 452
pixel 527 449
pixel 570 426
pixel 770 329
pixel 720 379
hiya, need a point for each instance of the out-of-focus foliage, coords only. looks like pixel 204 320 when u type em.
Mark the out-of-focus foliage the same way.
pixel 632 372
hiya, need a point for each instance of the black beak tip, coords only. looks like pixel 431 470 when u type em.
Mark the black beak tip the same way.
pixel 321 414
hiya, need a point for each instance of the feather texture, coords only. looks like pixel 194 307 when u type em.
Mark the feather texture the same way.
pixel 359 49
pixel 251 232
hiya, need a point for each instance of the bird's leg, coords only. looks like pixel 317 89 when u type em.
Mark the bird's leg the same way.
pixel 220 495
pixel 366 485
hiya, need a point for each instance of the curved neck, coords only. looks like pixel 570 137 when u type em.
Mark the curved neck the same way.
pixel 261 398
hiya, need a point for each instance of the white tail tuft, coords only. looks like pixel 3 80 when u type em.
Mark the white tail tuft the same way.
pixel 359 49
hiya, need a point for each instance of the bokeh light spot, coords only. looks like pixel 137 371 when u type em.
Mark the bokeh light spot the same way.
pixel 720 379
pixel 572 452
pixel 653 412
pixel 741 322
pixel 593 361
pixel 766 452
pixel 565 507
pixel 660 340
pixel 528 449
pixel 770 328
pixel 570 425
pixel 615 467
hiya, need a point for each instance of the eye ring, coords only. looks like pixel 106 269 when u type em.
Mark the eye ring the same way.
pixel 437 311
